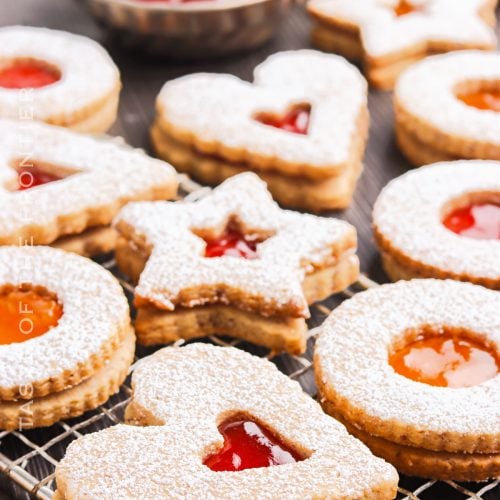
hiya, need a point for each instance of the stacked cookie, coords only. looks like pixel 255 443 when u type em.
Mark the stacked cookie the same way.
pixel 412 369
pixel 232 263
pixel 57 77
pixel 388 36
pixel 66 343
pixel 301 126
pixel 448 107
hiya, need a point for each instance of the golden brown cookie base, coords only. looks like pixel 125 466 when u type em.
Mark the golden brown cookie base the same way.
pixel 93 241
pixel 400 433
pixel 70 378
pixel 278 333
pixel 424 463
pixel 291 191
pixel 400 267
pixel 72 402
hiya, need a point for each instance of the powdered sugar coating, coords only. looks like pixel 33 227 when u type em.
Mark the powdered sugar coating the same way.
pixel 107 174
pixel 191 389
pixel 220 108
pixel 427 90
pixel 384 33
pixel 88 74
pixel 409 213
pixel 297 243
pixel 353 348
pixel 94 310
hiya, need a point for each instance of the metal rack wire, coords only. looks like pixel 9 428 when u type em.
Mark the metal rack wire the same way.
pixel 38 451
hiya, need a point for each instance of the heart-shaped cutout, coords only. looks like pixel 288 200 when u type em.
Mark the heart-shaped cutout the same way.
pixel 295 119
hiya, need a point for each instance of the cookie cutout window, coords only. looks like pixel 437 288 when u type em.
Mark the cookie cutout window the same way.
pixel 27 312
pixel 447 358
pixel 476 217
pixel 484 96
pixel 31 174
pixel 249 444
pixel 23 73
pixel 295 119
pixel 403 7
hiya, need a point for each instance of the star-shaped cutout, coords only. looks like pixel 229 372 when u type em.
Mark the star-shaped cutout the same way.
pixel 291 245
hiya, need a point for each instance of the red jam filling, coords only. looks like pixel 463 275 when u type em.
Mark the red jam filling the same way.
pixel 26 314
pixel 249 445
pixel 295 120
pixel 482 99
pixel 231 244
pixel 481 221
pixel 29 177
pixel 27 74
pixel 403 7
pixel 445 361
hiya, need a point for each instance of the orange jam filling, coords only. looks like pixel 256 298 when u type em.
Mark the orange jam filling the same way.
pixel 26 314
pixel 403 7
pixel 231 244
pixel 28 74
pixel 482 99
pixel 295 120
pixel 29 177
pixel 445 360
pixel 249 445
pixel 480 221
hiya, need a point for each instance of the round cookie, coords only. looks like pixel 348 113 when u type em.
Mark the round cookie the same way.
pixel 66 341
pixel 57 77
pixel 448 107
pixel 442 420
pixel 442 221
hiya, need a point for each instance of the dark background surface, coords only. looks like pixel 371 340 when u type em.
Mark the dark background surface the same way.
pixel 143 77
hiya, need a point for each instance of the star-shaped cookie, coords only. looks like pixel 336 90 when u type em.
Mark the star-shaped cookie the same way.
pixel 291 260
pixel 389 35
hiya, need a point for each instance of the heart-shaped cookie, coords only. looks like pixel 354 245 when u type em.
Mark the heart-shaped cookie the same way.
pixel 188 396
pixel 301 125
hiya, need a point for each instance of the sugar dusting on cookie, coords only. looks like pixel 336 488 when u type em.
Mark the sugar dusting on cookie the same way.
pixel 178 274
pixel 191 389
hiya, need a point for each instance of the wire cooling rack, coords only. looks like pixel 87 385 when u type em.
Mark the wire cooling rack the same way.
pixel 29 458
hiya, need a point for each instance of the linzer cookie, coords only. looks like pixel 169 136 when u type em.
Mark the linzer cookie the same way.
pixel 57 77
pixel 65 337
pixel 411 369
pixel 442 221
pixel 448 107
pixel 61 188
pixel 301 126
pixel 387 36
pixel 232 263
pixel 221 423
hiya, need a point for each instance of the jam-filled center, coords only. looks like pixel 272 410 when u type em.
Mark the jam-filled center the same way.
pixel 402 8
pixel 446 360
pixel 482 99
pixel 26 314
pixel 249 445
pixel 479 221
pixel 33 176
pixel 231 243
pixel 295 119
pixel 29 73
